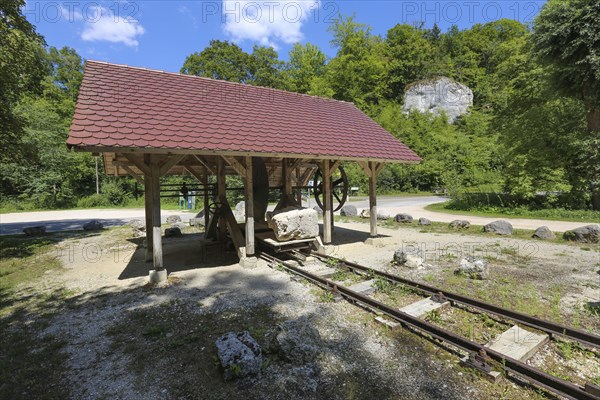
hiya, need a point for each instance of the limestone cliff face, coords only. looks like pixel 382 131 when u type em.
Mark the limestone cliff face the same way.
pixel 437 96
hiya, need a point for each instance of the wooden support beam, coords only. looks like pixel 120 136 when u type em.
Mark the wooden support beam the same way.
pixel 138 162
pixel 327 214
pixel 170 162
pixel 298 183
pixel 132 173
pixel 271 171
pixel 249 208
pixel 372 167
pixel 202 161
pixel 306 176
pixel 286 182
pixel 221 196
pixel 236 165
pixel 195 174
pixel 148 209
pixel 206 199
pixel 157 255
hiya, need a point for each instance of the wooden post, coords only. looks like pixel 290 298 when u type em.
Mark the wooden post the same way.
pixel 221 196
pixel 206 198
pixel 373 197
pixel 249 194
pixel 148 209
pixel 298 190
pixel 327 216
pixel 157 255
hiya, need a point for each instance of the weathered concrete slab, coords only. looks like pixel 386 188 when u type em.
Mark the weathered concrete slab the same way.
pixel 388 322
pixel 319 269
pixel 422 307
pixel 366 287
pixel 518 343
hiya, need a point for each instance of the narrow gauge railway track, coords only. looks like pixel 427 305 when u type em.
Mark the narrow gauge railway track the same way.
pixel 548 327
pixel 478 353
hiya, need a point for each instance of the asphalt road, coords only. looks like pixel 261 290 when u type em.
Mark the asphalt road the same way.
pixel 14 223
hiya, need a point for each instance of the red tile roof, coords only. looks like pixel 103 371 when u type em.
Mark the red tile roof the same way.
pixel 125 107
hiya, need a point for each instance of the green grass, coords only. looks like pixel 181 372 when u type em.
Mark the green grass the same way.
pixel 545 214
pixel 31 363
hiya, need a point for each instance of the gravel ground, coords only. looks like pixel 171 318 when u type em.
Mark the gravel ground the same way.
pixel 111 354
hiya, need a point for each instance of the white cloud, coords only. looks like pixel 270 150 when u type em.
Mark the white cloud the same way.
pixel 267 22
pixel 101 24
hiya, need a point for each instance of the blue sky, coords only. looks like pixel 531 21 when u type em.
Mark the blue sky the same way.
pixel 160 34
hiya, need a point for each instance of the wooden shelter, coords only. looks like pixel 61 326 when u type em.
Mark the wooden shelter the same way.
pixel 149 123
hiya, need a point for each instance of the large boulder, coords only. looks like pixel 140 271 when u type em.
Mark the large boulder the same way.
pixel 365 213
pixel 138 227
pixel 173 232
pixel 543 232
pixel 239 354
pixel 459 224
pixel 409 257
pixel 584 234
pixel 424 221
pixel 384 214
pixel 196 221
pixel 349 211
pixel 297 341
pixel 240 211
pixel 171 219
pixel 474 267
pixel 437 96
pixel 404 218
pixel 34 230
pixel 294 223
pixel 499 228
pixel 93 225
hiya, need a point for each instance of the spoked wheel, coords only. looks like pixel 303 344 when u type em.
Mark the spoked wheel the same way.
pixel 339 187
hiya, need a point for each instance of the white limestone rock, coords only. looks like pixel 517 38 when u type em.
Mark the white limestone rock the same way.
pixel 437 96
pixel 294 223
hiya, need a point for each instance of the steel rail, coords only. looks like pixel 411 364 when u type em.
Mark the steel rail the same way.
pixel 551 328
pixel 531 374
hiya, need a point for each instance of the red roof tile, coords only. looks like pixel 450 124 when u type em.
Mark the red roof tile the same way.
pixel 125 107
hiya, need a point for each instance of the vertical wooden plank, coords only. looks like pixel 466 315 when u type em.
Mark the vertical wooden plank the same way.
pixel 298 190
pixel 373 197
pixel 249 194
pixel 221 196
pixel 157 254
pixel 148 210
pixel 327 216
pixel 206 198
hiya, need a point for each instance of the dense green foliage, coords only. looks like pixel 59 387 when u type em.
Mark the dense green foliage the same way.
pixel 530 132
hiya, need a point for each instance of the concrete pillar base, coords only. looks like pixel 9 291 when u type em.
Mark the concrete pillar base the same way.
pixel 375 241
pixel 248 262
pixel 157 276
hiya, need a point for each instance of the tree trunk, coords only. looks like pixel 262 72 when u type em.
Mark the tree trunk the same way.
pixel 593 125
pixel 593 119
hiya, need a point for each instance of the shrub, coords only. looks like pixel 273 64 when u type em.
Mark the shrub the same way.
pixel 95 200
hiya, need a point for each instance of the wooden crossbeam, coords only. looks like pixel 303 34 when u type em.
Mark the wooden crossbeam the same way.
pixel 202 161
pixel 139 163
pixel 169 163
pixel 236 165
pixel 194 173
pixel 132 173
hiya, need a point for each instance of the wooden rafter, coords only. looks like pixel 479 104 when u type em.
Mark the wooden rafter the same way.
pixel 236 165
pixel 194 173
pixel 170 162
pixel 138 162
pixel 202 161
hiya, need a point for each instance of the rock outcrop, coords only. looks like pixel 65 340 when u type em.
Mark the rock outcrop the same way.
pixel 543 232
pixel 474 267
pixel 349 211
pixel 239 354
pixel 403 218
pixel 442 95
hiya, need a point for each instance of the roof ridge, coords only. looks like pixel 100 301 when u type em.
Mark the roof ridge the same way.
pixel 219 80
